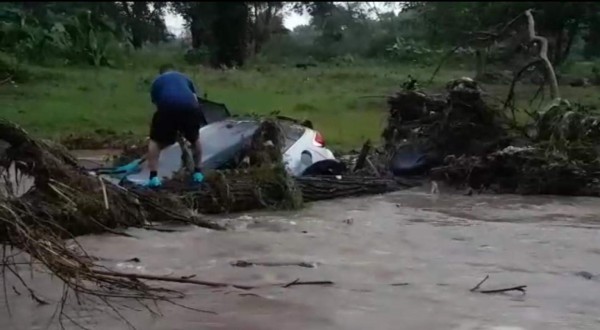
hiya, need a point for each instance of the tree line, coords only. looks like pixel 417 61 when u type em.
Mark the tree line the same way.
pixel 229 33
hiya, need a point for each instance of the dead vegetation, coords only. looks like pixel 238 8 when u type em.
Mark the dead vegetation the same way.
pixel 65 201
pixel 476 142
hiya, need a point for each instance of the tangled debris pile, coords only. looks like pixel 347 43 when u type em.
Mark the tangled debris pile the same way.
pixel 263 182
pixel 559 156
pixel 458 123
pixel 59 186
pixel 64 201
pixel 470 143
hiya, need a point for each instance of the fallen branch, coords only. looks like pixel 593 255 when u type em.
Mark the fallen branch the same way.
pixel 104 195
pixel 443 60
pixel 5 80
pixel 520 288
pixel 373 168
pixel 244 263
pixel 298 282
pixel 187 280
pixel 239 191
pixel 400 284
pixel 32 294
pixel 362 156
pixel 538 93
pixel 511 90
pixel 475 288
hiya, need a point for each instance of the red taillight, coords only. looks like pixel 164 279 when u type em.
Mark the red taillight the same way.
pixel 319 140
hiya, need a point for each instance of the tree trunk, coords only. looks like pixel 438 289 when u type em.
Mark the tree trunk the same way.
pixel 135 26
pixel 230 29
pixel 592 43
pixel 570 39
pixel 558 45
pixel 543 54
pixel 136 38
pixel 196 32
pixel 480 63
pixel 265 32
pixel 256 29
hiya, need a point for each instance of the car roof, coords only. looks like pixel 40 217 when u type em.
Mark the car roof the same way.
pixel 247 118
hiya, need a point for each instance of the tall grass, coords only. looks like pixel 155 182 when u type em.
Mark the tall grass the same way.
pixel 346 103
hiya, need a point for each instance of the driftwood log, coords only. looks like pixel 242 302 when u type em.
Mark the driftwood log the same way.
pixel 224 193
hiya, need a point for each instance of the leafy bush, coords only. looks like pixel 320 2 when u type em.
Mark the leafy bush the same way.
pixel 10 69
pixel 78 38
pixel 407 50
pixel 197 56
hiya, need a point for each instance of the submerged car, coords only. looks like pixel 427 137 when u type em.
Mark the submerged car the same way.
pixel 224 139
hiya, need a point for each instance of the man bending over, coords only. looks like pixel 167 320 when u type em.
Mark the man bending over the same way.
pixel 177 110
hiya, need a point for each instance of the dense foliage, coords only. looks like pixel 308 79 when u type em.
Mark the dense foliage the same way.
pixel 230 33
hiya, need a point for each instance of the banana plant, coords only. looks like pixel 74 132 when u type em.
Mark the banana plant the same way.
pixel 78 36
pixel 91 37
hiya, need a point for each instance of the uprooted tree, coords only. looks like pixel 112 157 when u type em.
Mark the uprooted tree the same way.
pixel 482 147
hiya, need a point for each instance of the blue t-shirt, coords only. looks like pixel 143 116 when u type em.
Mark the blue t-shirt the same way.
pixel 173 90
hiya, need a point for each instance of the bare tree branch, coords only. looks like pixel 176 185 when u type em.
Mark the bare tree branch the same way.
pixel 520 288
pixel 481 37
pixel 511 91
pixel 551 75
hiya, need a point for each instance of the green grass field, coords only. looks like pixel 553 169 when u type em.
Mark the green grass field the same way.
pixel 342 102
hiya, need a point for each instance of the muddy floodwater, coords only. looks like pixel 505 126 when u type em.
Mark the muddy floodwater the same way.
pixel 401 261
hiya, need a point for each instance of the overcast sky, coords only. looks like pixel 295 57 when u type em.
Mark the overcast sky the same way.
pixel 291 19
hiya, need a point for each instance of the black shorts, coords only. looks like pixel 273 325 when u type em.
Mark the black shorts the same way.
pixel 166 123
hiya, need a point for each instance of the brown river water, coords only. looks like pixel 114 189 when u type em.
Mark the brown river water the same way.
pixel 399 261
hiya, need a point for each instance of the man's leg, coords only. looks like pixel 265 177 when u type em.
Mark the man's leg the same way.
pixel 162 133
pixel 192 134
pixel 153 156
pixel 197 154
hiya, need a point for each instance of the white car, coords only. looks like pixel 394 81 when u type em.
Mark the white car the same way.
pixel 223 142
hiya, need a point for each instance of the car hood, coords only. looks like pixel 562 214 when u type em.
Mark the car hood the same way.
pixel 220 141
